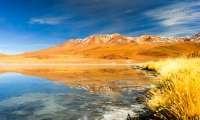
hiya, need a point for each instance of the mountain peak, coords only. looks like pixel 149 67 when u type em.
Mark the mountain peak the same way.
pixel 119 39
pixel 109 47
pixel 196 37
pixel 116 34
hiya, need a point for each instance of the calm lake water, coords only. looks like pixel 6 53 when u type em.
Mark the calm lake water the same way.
pixel 70 92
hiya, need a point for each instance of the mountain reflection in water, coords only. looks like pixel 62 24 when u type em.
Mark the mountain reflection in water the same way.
pixel 110 91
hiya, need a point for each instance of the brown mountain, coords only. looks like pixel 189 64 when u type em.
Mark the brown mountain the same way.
pixel 81 46
pixel 113 39
pixel 110 49
pixel 196 37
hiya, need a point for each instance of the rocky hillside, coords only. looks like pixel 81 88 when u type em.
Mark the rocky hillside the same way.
pixel 120 39
pixel 96 44
pixel 110 49
pixel 196 37
pixel 114 39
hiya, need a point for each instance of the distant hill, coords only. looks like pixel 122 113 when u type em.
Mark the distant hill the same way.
pixel 109 48
pixel 196 37
pixel 95 42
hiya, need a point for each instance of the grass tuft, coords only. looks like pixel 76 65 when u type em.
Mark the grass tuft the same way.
pixel 176 95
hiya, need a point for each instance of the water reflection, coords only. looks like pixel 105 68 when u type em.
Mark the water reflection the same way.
pixel 95 79
pixel 14 84
pixel 70 92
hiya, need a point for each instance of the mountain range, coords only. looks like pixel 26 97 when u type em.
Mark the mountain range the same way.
pixel 119 39
pixel 101 48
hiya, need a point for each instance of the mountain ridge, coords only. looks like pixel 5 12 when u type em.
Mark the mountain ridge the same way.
pixel 116 39
pixel 120 39
pixel 110 49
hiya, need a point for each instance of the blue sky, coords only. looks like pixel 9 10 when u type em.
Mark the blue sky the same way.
pixel 27 25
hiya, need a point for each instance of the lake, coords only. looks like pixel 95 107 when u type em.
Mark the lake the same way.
pixel 70 92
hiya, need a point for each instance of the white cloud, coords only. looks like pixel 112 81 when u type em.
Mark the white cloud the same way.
pixel 179 19
pixel 176 14
pixel 182 31
pixel 166 31
pixel 50 20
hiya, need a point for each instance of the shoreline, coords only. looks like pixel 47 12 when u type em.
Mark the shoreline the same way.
pixel 65 64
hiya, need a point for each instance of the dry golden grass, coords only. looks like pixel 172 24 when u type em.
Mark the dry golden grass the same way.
pixel 176 95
